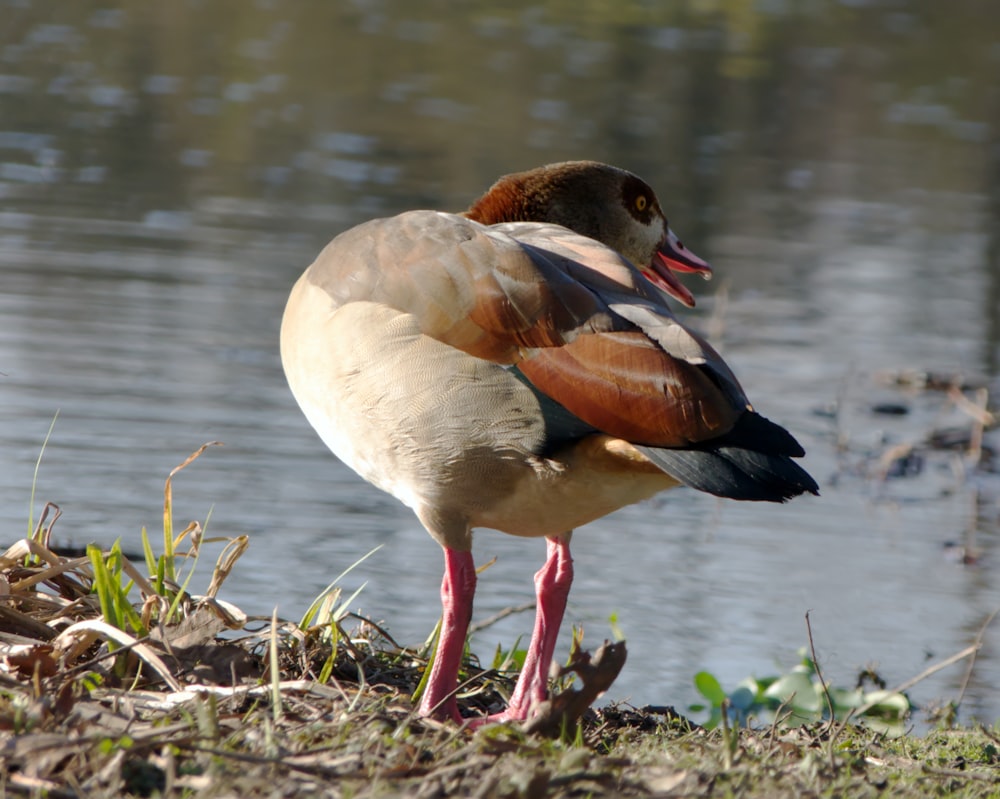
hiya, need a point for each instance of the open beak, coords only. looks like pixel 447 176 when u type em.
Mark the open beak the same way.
pixel 675 257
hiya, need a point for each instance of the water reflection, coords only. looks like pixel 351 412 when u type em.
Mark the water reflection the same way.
pixel 167 170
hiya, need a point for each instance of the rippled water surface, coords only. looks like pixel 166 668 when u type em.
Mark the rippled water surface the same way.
pixel 167 170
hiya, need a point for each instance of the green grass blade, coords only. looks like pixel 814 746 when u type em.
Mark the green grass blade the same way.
pixel 112 596
pixel 182 592
pixel 147 552
pixel 102 587
pixel 310 614
pixel 422 685
pixel 345 606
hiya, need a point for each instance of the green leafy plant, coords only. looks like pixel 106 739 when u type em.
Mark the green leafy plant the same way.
pixel 797 697
pixel 166 589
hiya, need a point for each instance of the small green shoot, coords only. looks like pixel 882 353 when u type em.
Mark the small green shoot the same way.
pixel 112 593
pixel 327 610
pixel 314 615
pixel 617 633
pixel 197 533
pixel 510 659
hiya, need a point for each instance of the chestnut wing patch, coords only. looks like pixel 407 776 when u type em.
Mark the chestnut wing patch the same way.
pixel 625 385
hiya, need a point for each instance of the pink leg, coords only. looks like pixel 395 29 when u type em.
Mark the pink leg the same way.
pixel 457 590
pixel 552 584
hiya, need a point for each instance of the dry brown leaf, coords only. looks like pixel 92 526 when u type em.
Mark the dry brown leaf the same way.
pixel 596 673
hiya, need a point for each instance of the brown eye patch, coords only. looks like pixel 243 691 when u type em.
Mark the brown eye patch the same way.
pixel 638 199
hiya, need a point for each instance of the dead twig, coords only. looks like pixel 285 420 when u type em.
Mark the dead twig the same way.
pixel 819 672
pixel 503 614
pixel 977 643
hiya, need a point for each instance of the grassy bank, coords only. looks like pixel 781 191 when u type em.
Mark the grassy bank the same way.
pixel 117 680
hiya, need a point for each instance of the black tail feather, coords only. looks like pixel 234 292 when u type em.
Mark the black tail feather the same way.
pixel 753 461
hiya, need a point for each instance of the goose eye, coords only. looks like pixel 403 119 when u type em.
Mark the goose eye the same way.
pixel 641 202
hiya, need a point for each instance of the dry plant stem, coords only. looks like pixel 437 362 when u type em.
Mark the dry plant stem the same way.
pixel 977 643
pixel 48 574
pixel 831 738
pixel 81 634
pixel 779 718
pixel 480 569
pixel 89 664
pixel 977 409
pixel 137 577
pixel 275 667
pixel 27 546
pixel 193 456
pixel 168 496
pixel 226 561
pixel 906 684
pixel 727 748
pixel 383 633
pixel 930 670
pixel 479 626
pixel 981 419
pixel 43 534
pixel 34 480
pixel 21 784
pixel 890 456
pixel 819 672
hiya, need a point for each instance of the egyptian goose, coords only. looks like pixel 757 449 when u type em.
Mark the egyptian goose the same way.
pixel 517 367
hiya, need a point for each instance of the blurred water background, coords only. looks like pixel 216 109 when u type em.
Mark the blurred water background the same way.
pixel 168 169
